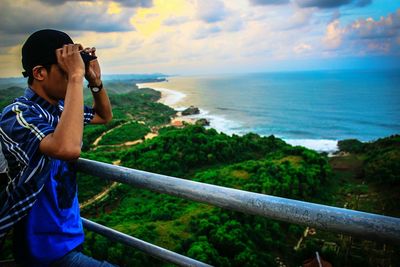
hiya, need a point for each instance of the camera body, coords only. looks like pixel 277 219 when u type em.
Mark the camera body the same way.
pixel 86 57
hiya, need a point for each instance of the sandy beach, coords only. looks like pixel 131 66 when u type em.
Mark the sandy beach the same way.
pixel 170 98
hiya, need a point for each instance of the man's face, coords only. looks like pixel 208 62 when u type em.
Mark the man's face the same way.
pixel 56 82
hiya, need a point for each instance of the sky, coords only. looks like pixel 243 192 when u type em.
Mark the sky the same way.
pixel 188 37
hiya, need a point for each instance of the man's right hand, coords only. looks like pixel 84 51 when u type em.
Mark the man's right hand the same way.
pixel 70 60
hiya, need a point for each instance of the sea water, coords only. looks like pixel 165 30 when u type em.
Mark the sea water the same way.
pixel 312 108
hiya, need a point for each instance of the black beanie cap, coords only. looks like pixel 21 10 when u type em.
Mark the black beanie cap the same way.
pixel 39 48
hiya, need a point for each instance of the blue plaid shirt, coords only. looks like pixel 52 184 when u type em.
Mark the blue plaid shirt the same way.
pixel 23 124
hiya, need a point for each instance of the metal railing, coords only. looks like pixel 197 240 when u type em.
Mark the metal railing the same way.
pixel 146 247
pixel 360 224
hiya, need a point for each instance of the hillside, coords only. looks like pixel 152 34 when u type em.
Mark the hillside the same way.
pixel 251 162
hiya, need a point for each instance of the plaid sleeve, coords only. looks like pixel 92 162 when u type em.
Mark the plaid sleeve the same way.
pixel 88 114
pixel 22 129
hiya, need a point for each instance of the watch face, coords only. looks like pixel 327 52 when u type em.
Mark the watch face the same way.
pixel 95 89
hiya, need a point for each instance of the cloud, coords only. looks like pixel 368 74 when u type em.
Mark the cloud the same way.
pixel 362 3
pixel 331 3
pixel 173 21
pixel 302 48
pixel 206 31
pixel 8 40
pixel 210 11
pixel 300 18
pixel 135 3
pixel 333 36
pixel 366 35
pixel 268 2
pixel 126 3
pixel 384 28
pixel 233 24
pixel 26 17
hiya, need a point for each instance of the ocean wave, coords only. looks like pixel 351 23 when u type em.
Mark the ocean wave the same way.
pixel 218 122
pixel 168 97
pixel 320 145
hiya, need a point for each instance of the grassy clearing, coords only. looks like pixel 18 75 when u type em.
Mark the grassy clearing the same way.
pixel 128 132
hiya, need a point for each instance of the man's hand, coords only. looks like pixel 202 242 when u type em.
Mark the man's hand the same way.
pixel 70 60
pixel 93 72
pixel 102 106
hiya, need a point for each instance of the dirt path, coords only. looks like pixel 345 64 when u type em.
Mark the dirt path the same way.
pixel 98 196
pixel 131 143
pixel 105 192
pixel 96 142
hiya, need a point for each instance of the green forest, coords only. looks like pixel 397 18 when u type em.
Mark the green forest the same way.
pixel 362 176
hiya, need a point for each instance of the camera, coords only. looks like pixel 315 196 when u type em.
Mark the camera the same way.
pixel 86 57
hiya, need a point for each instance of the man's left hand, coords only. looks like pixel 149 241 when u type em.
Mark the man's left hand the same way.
pixel 93 72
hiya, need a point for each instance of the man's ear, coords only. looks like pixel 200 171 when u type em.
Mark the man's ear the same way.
pixel 39 73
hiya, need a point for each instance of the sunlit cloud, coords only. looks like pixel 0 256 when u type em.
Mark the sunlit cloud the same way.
pixel 333 37
pixel 114 8
pixel 302 48
pixel 149 21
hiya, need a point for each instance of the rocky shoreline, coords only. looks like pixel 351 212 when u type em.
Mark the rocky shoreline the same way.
pixel 170 97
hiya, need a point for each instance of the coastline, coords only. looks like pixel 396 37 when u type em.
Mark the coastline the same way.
pixel 168 97
pixel 171 98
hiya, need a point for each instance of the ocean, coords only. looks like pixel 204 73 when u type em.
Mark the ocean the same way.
pixel 311 108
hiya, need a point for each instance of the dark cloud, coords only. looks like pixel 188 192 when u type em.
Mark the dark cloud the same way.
pixel 24 19
pixel 9 40
pixel 55 2
pixel 362 3
pixel 368 36
pixel 135 3
pixel 269 2
pixel 331 3
pixel 384 28
pixel 126 3
pixel 322 3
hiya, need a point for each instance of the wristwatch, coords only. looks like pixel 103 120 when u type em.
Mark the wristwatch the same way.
pixel 95 88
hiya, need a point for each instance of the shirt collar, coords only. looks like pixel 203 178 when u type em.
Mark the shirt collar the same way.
pixel 32 96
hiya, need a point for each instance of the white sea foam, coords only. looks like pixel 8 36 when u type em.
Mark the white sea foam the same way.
pixel 217 122
pixel 320 145
pixel 168 97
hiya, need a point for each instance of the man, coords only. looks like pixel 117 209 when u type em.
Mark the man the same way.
pixel 41 136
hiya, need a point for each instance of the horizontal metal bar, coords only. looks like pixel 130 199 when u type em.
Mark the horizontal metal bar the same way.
pixel 152 250
pixel 360 224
